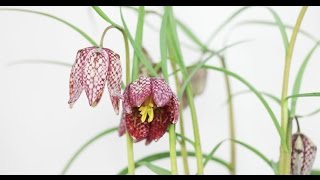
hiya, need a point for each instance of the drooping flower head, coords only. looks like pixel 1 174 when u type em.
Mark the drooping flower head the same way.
pixel 149 108
pixel 92 69
pixel 303 154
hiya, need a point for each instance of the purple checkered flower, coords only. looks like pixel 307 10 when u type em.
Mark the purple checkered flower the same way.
pixel 149 108
pixel 92 69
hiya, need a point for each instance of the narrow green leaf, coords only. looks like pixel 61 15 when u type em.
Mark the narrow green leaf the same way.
pixel 269 23
pixel 271 96
pixel 311 113
pixel 255 151
pixel 138 40
pixel 202 63
pixel 225 23
pixel 275 16
pixel 207 159
pixel 165 155
pixel 298 80
pixel 247 146
pixel 185 138
pixel 257 93
pixel 315 172
pixel 85 146
pixel 313 94
pixel 49 62
pixel 105 17
pixel 163 45
pixel 137 50
pixel 156 169
pixel 86 36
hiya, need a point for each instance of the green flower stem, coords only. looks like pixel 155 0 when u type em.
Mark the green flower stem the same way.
pixel 184 152
pixel 231 121
pixel 173 151
pixel 285 149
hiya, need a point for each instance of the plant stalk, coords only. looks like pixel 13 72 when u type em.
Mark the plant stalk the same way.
pixel 285 149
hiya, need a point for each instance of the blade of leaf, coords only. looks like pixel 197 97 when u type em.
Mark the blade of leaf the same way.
pixel 86 36
pixel 298 80
pixel 50 62
pixel 269 23
pixel 165 155
pixel 312 113
pixel 163 46
pixel 156 169
pixel 313 94
pixel 137 50
pixel 207 159
pixel 199 65
pixel 85 146
pixel 138 40
pixel 104 16
pixel 256 92
pixel 271 96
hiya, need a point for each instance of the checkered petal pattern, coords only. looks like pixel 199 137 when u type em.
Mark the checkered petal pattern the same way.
pixel 303 154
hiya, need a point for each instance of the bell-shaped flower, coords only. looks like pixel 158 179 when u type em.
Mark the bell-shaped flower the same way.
pixel 92 69
pixel 149 108
pixel 303 154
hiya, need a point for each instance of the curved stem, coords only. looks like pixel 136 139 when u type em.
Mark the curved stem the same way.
pixel 298 125
pixel 231 121
pixel 285 149
pixel 131 165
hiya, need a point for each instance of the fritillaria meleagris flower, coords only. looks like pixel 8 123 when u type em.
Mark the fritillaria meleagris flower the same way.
pixel 149 108
pixel 93 68
pixel 303 154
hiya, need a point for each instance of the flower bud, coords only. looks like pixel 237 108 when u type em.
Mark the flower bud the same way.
pixel 303 154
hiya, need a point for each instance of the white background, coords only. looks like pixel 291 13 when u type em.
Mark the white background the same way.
pixel 39 133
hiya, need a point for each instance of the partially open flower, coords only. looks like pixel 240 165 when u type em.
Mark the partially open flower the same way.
pixel 93 67
pixel 303 154
pixel 149 108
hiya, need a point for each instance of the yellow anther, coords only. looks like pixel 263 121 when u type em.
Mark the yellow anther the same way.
pixel 147 110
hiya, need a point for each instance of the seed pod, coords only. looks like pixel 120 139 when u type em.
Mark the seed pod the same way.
pixel 303 154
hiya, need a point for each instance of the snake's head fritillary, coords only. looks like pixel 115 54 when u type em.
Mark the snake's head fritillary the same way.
pixel 149 108
pixel 92 69
pixel 303 154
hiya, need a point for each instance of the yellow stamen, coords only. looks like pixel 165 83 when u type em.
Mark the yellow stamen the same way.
pixel 147 110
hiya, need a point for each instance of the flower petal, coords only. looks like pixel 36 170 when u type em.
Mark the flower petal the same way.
pixel 161 92
pixel 127 107
pixel 95 74
pixel 303 154
pixel 114 79
pixel 137 129
pixel 122 126
pixel 172 109
pixel 158 126
pixel 139 90
pixel 76 76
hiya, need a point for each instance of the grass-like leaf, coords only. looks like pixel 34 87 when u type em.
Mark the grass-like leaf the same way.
pixel 256 92
pixel 298 80
pixel 49 62
pixel 164 46
pixel 202 63
pixel 136 48
pixel 313 94
pixel 271 96
pixel 104 16
pixel 87 144
pixel 245 145
pixel 154 168
pixel 165 155
pixel 138 40
pixel 86 36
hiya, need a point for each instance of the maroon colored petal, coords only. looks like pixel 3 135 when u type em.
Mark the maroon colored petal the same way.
pixel 158 126
pixel 127 107
pixel 114 79
pixel 172 109
pixel 161 92
pixel 137 129
pixel 76 76
pixel 139 90
pixel 95 74
pixel 122 126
